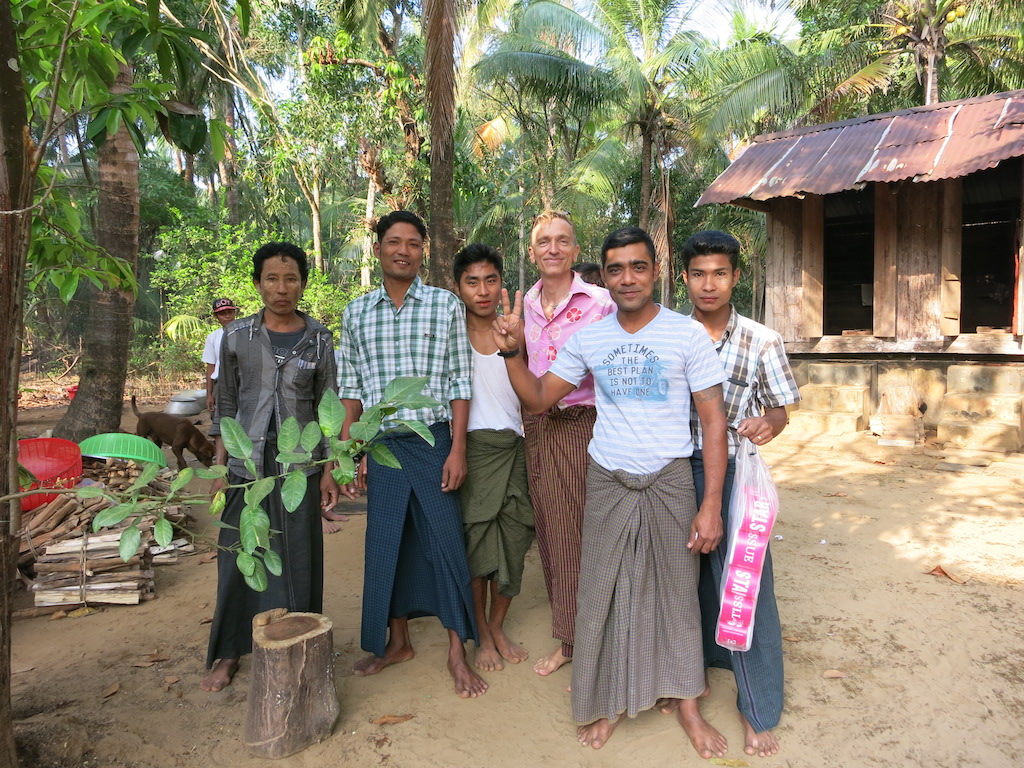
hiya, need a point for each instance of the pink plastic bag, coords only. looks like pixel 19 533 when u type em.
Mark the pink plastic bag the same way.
pixel 752 510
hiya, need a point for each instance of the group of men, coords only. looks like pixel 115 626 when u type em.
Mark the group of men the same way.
pixel 621 466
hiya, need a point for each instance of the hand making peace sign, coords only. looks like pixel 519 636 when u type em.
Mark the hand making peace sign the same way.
pixel 507 330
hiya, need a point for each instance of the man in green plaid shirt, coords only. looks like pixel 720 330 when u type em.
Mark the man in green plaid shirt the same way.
pixel 415 553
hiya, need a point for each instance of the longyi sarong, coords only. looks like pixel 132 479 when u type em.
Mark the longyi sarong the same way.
pixel 638 636
pixel 496 510
pixel 557 460
pixel 415 553
pixel 300 545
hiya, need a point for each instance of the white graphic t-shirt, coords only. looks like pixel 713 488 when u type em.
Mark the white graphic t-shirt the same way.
pixel 643 383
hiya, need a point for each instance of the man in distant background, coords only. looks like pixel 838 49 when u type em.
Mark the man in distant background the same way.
pixel 224 310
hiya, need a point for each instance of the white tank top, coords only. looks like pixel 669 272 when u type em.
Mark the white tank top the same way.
pixel 494 404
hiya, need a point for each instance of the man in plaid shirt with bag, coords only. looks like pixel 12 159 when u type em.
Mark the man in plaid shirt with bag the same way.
pixel 760 385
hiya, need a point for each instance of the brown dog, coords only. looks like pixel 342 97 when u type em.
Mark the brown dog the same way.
pixel 175 431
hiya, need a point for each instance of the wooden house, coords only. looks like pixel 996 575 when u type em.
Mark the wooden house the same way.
pixel 894 260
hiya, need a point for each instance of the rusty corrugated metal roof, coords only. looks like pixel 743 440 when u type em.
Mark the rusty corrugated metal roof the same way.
pixel 940 141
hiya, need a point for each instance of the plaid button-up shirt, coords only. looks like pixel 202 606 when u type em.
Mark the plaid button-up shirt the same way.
pixel 758 372
pixel 426 336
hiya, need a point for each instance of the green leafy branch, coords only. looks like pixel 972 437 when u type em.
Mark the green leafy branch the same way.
pixel 296 444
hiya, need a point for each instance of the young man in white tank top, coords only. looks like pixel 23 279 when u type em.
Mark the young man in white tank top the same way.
pixel 496 510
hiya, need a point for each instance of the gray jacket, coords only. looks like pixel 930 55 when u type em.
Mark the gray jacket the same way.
pixel 252 386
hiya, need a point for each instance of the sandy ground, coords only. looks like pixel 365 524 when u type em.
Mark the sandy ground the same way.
pixel 934 670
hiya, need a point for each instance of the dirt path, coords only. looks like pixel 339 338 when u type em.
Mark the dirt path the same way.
pixel 934 670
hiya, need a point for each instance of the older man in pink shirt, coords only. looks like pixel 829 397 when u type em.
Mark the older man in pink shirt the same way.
pixel 556 441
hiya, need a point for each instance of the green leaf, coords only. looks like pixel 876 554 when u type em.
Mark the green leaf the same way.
pixel 420 429
pixel 217 503
pixel 419 401
pixel 163 531
pixel 246 563
pixel 288 435
pixel 129 543
pixel 364 431
pixel 235 440
pixel 251 466
pixel 330 414
pixel 69 287
pixel 248 534
pixel 258 491
pixel 222 524
pixel 88 492
pixel 273 562
pixel 112 516
pixel 183 479
pixel 346 469
pixel 383 455
pixel 311 436
pixel 257 580
pixel 341 447
pixel 218 132
pixel 402 387
pixel 243 17
pixel 149 472
pixel 212 473
pixel 293 458
pixel 293 490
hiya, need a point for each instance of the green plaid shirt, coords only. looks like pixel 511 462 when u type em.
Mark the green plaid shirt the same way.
pixel 426 336
pixel 755 361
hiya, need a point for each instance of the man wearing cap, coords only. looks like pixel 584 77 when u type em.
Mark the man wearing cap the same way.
pixel 224 310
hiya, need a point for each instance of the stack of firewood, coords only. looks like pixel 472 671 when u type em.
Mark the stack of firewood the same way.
pixel 73 565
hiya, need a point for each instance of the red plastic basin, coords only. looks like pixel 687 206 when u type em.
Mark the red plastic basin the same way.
pixel 56 463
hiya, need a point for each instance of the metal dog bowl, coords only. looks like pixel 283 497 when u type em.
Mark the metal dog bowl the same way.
pixel 181 405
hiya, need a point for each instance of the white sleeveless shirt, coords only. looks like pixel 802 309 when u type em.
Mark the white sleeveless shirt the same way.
pixel 494 404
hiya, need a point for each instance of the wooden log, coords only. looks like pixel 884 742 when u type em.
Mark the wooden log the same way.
pixel 292 699
pixel 97 565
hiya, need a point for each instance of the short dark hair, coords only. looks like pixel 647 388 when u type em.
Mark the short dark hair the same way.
pixel 711 241
pixel 384 223
pixel 280 249
pixel 620 238
pixel 473 253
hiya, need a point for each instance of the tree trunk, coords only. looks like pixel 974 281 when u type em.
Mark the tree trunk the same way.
pixel 292 699
pixel 15 195
pixel 229 165
pixel 647 145
pixel 316 215
pixel 440 62
pixel 98 403
pixel 366 268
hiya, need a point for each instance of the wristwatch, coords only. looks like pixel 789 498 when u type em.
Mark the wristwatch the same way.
pixel 512 353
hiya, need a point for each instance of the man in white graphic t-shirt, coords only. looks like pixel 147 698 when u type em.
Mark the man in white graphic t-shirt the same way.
pixel 638 632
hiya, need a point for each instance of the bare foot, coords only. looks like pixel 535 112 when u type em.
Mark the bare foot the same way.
pixel 706 740
pixel 331 521
pixel 548 664
pixel 220 676
pixel 513 653
pixel 668 706
pixel 488 658
pixel 371 665
pixel 596 734
pixel 762 744
pixel 468 684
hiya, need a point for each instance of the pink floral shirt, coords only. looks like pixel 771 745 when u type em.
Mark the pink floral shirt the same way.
pixel 584 305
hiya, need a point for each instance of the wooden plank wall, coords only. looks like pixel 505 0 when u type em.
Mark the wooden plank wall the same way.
pixel 950 245
pixel 1018 284
pixel 813 269
pixel 784 269
pixel 884 294
pixel 918 261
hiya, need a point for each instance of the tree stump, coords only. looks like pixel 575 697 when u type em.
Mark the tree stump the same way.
pixel 292 699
